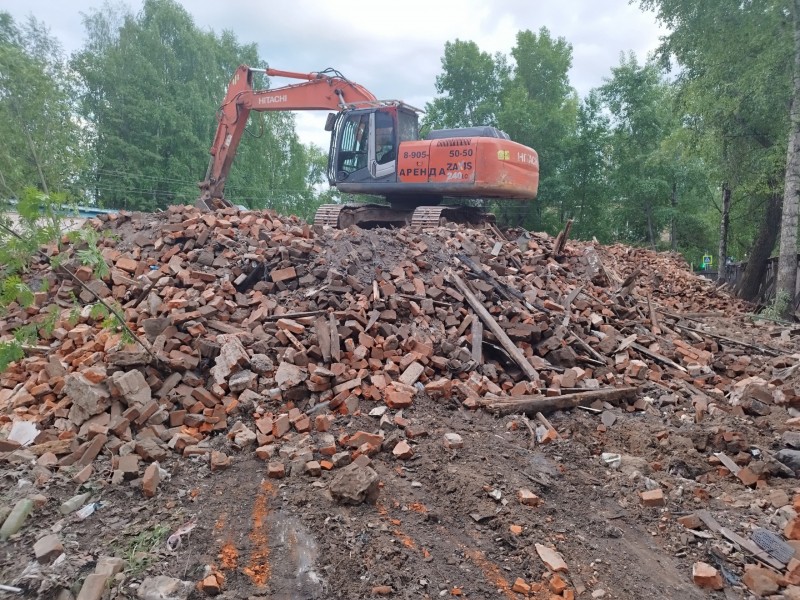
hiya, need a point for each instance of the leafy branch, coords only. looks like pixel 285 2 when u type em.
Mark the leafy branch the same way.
pixel 12 288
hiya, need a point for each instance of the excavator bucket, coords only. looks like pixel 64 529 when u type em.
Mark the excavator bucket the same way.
pixel 207 203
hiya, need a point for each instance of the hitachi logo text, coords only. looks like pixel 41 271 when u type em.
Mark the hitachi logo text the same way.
pixel 272 99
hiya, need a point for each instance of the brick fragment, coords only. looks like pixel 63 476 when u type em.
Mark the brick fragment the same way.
pixel 48 548
pixel 653 497
pixel 382 590
pixel 403 451
pixel 761 581
pixel 706 576
pixel 551 558
pixel 94 586
pixel 521 587
pixel 792 529
pixel 151 480
pixel 528 498
pixel 557 584
pixel 276 470
pixel 283 274
pixel 412 373
pixel 691 521
pixel 397 399
pixel 219 461
pixel 453 441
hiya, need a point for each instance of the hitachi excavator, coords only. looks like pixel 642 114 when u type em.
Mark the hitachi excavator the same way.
pixel 376 150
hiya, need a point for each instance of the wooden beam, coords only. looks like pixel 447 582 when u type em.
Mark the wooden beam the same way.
pixel 658 357
pixel 494 327
pixel 561 239
pixel 530 405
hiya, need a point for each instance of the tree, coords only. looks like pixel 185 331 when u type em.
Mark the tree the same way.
pixel 539 109
pixel 737 106
pixel 587 171
pixel 639 102
pixel 787 262
pixel 43 144
pixel 471 84
pixel 152 85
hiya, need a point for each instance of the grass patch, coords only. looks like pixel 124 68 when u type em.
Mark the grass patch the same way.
pixel 139 551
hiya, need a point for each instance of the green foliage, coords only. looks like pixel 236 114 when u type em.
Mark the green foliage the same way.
pixel 779 306
pixel 98 311
pixel 13 289
pixel 471 85
pixel 13 350
pixel 736 108
pixel 152 84
pixel 90 255
pixel 43 144
pixel 639 102
pixel 39 222
pixel 10 352
pixel 540 109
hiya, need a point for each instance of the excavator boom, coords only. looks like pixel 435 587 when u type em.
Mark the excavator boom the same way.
pixel 319 91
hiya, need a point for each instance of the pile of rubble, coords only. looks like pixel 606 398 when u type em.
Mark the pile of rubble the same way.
pixel 270 334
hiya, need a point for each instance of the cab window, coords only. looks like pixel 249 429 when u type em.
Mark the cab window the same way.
pixel 353 145
pixel 385 151
pixel 408 125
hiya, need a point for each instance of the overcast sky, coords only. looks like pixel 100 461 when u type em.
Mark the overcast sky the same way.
pixel 394 50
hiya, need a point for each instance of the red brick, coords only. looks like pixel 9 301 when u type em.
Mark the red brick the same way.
pixel 397 399
pixel 792 529
pixel 150 480
pixel 323 422
pixel 283 274
pixel 403 451
pixel 276 470
pixel 281 426
pixel 653 497
pixel 362 437
pixel 127 264
pixel 706 576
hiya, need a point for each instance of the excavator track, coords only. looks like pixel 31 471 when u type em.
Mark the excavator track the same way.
pixel 428 216
pixel 436 216
pixel 328 214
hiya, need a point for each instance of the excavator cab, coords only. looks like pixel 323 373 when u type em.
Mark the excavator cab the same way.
pixel 365 143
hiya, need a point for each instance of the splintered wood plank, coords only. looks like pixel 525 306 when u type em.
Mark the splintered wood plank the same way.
pixel 323 338
pixel 336 351
pixel 477 341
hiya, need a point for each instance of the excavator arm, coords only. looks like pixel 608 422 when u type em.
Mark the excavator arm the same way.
pixel 318 91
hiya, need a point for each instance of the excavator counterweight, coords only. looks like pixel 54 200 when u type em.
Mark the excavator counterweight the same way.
pixel 376 150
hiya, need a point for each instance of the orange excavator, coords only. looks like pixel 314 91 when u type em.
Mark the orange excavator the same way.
pixel 376 150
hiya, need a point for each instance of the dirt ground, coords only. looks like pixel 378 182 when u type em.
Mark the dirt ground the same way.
pixel 435 531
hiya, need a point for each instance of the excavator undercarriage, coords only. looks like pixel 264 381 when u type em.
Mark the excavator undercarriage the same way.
pixel 367 216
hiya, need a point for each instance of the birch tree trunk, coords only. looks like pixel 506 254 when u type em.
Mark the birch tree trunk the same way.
pixel 722 268
pixel 787 262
